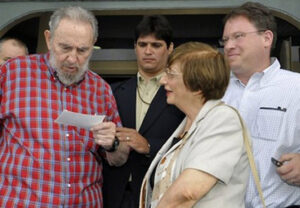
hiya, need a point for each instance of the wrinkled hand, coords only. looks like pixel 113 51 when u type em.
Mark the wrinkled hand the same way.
pixel 104 134
pixel 290 170
pixel 133 139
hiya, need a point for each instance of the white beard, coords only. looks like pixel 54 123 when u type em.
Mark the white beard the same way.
pixel 65 77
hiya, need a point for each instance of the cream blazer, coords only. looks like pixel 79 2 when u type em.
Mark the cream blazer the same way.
pixel 215 145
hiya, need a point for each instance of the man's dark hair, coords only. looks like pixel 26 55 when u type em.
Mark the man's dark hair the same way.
pixel 257 14
pixel 157 25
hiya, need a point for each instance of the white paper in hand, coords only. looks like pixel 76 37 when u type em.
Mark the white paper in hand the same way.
pixel 79 119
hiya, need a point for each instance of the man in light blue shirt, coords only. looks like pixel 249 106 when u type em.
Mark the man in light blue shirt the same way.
pixel 268 99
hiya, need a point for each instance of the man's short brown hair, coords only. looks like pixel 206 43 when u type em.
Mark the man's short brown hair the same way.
pixel 258 14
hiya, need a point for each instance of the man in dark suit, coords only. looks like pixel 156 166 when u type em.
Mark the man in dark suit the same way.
pixel 147 119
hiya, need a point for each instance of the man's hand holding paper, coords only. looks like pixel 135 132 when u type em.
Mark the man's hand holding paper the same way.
pixel 104 134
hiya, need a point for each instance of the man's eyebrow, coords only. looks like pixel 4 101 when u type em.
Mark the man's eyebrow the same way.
pixel 83 48
pixel 64 45
pixel 80 48
pixel 160 43
pixel 150 42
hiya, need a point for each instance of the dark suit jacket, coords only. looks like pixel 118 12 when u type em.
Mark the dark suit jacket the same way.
pixel 159 123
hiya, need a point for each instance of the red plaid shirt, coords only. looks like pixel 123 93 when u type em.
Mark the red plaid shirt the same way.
pixel 42 163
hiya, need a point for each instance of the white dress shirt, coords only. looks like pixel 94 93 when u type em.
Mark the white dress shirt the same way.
pixel 270 106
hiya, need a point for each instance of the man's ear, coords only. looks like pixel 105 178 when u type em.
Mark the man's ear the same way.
pixel 94 42
pixel 47 35
pixel 171 48
pixel 134 45
pixel 268 38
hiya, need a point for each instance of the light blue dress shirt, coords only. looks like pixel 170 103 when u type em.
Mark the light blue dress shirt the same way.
pixel 270 106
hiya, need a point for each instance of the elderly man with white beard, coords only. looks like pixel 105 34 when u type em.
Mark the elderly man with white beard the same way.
pixel 43 163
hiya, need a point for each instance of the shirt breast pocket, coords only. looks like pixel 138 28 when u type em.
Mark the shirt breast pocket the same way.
pixel 268 122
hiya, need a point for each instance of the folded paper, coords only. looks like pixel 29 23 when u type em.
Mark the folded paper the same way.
pixel 78 119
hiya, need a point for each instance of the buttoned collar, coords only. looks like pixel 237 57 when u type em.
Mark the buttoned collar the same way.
pixel 154 79
pixel 265 76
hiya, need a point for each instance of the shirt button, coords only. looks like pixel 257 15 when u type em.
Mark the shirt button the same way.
pixel 69 159
pixel 69 185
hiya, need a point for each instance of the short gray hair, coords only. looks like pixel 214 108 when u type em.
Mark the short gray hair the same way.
pixel 74 13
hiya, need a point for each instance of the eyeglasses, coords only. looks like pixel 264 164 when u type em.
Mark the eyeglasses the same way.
pixel 171 74
pixel 236 37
